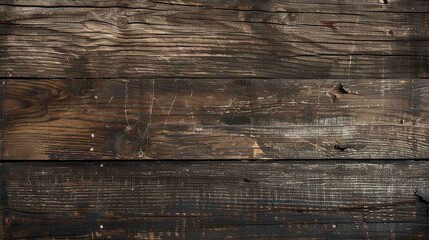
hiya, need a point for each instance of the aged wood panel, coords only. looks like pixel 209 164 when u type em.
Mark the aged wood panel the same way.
pixel 183 118
pixel 214 200
pixel 214 79
pixel 218 39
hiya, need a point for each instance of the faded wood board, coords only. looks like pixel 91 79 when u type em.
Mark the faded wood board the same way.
pixel 214 79
pixel 214 200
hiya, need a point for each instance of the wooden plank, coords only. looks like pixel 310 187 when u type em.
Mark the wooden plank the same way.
pixel 203 118
pixel 216 39
pixel 214 200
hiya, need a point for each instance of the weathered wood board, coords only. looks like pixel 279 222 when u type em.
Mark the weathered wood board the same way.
pixel 240 79
pixel 214 79
pixel 181 118
pixel 214 200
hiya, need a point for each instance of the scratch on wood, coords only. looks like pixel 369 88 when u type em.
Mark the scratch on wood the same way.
pixel 169 110
pixel 152 98
pixel 126 106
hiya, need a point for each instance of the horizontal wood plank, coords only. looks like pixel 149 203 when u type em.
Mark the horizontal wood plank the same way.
pixel 203 118
pixel 214 200
pixel 217 39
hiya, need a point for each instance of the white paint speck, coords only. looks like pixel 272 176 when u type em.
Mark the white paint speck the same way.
pixel 95 97
pixel 334 226
pixel 91 149
pixel 101 226
pixel 101 165
pixel 92 135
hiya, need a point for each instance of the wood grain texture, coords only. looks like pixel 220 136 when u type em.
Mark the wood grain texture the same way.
pixel 218 39
pixel 214 200
pixel 180 118
pixel 214 79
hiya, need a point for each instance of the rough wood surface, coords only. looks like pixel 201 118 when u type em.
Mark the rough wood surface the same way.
pixel 177 118
pixel 106 79
pixel 214 200
pixel 218 39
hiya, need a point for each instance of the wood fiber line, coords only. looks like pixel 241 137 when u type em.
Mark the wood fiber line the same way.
pixel 215 118
pixel 214 200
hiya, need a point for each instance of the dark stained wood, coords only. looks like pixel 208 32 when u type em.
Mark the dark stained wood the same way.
pixel 238 79
pixel 423 193
pixel 214 200
pixel 155 79
pixel 182 118
pixel 2 113
pixel 218 39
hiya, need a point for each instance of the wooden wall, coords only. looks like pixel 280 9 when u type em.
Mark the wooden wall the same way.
pixel 214 80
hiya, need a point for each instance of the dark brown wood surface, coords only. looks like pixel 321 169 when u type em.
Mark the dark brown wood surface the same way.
pixel 196 79
pixel 214 200
pixel 106 79
pixel 181 118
